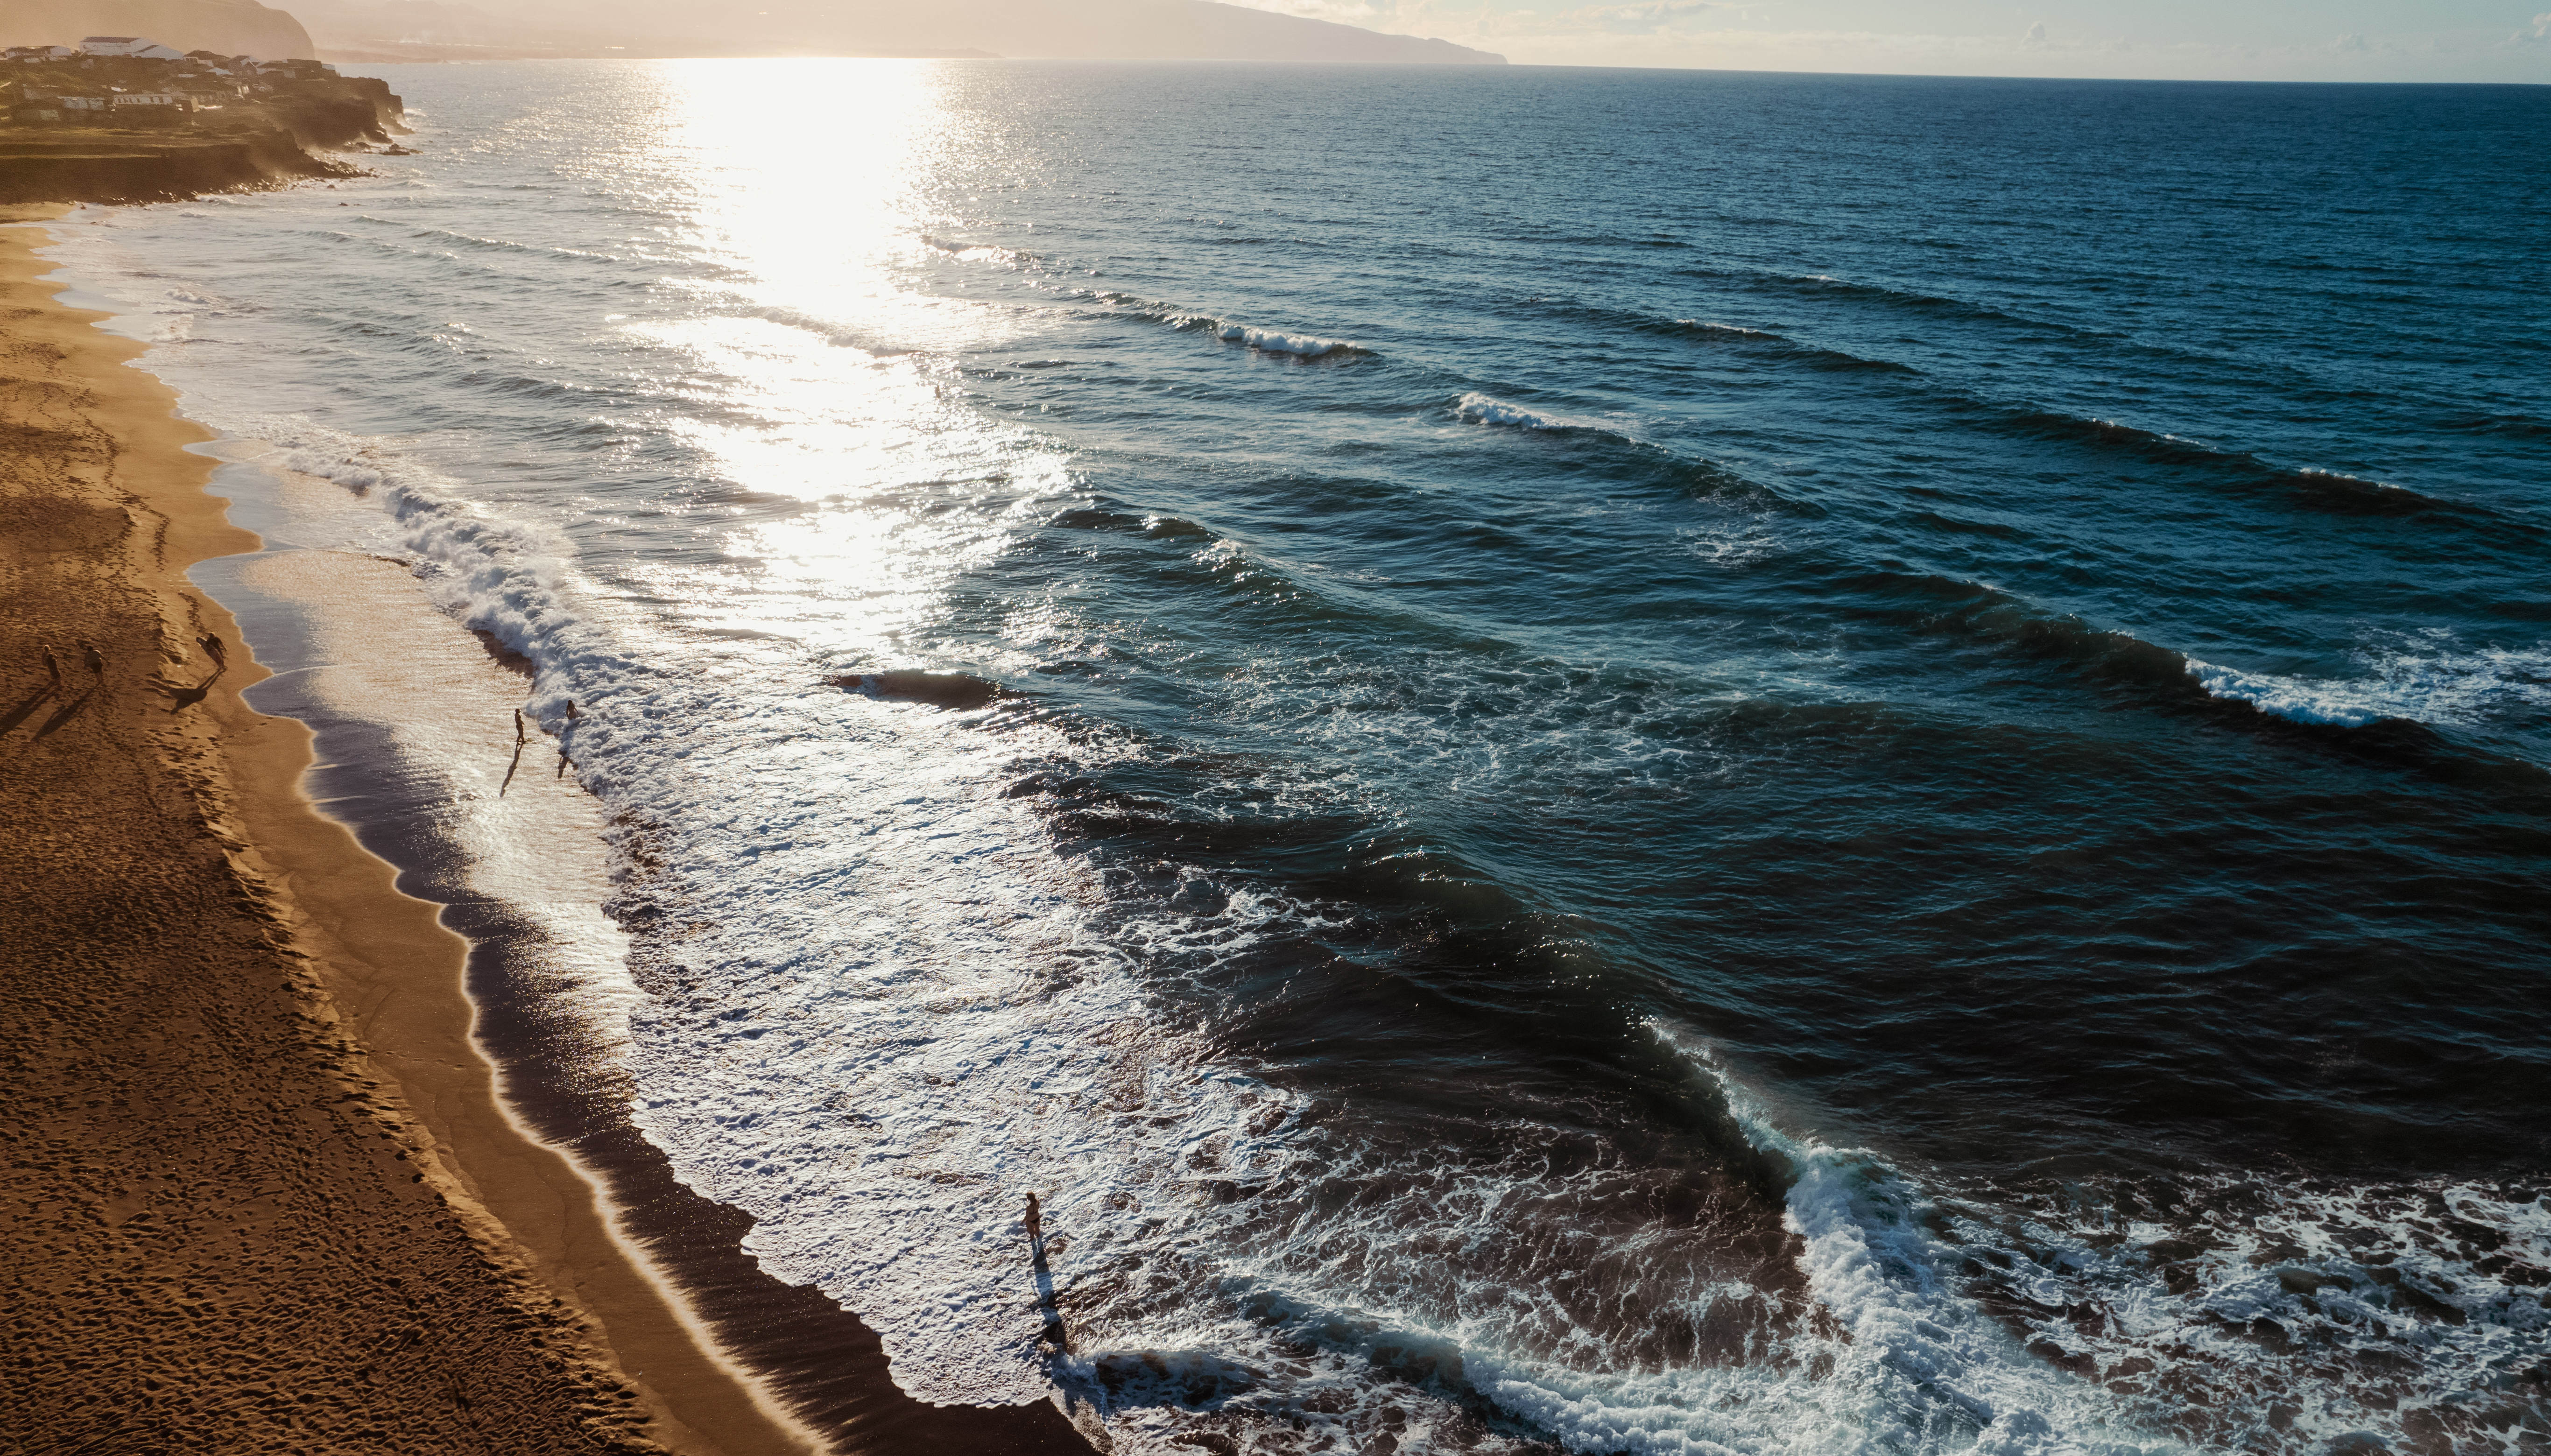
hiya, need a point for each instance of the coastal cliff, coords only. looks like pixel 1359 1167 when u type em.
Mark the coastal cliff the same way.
pixel 241 148
pixel 113 169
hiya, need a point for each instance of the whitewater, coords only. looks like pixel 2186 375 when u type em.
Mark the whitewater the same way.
pixel 1672 802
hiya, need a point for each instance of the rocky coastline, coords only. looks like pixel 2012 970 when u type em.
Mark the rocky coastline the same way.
pixel 281 134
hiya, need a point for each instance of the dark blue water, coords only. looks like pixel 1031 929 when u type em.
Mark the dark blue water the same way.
pixel 1820 763
pixel 1813 659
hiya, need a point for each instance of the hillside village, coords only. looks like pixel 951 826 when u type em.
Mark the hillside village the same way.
pixel 132 81
pixel 126 119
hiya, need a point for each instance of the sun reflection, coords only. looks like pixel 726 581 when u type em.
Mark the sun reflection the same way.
pixel 812 180
pixel 859 484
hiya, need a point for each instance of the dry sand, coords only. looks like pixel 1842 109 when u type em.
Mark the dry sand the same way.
pixel 261 1192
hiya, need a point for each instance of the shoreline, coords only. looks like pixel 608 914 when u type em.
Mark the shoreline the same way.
pixel 494 999
pixel 419 785
pixel 531 1290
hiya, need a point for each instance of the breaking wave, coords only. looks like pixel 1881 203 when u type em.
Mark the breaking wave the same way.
pixel 2208 1311
pixel 1282 342
pixel 2426 680
pixel 1484 409
pixel 2296 700
pixel 2273 1315
pixel 1269 341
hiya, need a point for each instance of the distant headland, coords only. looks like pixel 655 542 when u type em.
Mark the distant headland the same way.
pixel 376 32
pixel 134 119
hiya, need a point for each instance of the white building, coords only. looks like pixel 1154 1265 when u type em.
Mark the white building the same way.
pixel 140 47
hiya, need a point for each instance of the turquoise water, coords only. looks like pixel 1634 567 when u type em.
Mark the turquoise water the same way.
pixel 1575 760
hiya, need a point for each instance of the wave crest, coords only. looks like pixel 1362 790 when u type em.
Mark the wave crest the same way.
pixel 1265 341
pixel 1269 341
pixel 2295 699
pixel 1487 409
pixel 2426 681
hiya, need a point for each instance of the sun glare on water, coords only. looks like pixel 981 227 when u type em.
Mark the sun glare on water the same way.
pixel 860 481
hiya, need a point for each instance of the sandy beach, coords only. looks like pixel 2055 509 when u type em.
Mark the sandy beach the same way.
pixel 264 1194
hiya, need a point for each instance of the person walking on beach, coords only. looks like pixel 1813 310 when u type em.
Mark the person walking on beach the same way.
pixel 1035 1219
pixel 96 660
pixel 519 739
pixel 211 643
pixel 53 671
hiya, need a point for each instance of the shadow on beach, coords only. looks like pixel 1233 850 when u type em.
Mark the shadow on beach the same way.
pixel 68 711
pixel 23 709
pixel 1054 1334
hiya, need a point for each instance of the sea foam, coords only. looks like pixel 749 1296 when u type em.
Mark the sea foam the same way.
pixel 2298 699
pixel 1286 341
pixel 1487 409
pixel 2425 678
pixel 1269 341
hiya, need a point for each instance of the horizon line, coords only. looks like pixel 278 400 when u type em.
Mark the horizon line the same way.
pixel 346 54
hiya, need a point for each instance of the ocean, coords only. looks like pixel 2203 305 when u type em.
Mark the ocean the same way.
pixel 1572 760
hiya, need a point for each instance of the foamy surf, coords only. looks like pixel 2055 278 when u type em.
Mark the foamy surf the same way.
pixel 1487 409
pixel 2429 678
pixel 2070 1324
pixel 879 1092
pixel 1932 1371
pixel 1270 341
pixel 1286 341
pixel 2271 1312
pixel 883 1092
pixel 2298 699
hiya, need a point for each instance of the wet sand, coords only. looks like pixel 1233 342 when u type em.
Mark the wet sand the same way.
pixel 263 1192
pixel 416 751
pixel 370 1238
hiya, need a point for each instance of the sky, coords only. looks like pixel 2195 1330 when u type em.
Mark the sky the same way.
pixel 2191 39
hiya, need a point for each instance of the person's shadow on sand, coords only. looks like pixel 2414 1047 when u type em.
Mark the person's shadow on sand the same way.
pixel 183 698
pixel 70 711
pixel 25 709
pixel 1054 1334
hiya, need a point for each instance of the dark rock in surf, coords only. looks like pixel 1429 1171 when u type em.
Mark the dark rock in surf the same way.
pixel 955 692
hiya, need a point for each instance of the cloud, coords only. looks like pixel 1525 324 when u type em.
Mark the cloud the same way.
pixel 2036 33
pixel 1343 12
pixel 1642 19
pixel 2538 34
